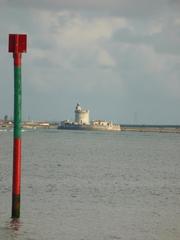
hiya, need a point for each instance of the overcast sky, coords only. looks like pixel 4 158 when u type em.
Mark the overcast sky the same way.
pixel 118 58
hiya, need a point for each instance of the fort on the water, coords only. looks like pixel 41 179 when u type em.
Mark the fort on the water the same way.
pixel 82 122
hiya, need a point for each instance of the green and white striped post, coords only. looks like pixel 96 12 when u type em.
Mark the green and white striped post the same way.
pixel 17 45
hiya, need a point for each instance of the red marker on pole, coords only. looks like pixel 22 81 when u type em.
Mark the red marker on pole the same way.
pixel 17 45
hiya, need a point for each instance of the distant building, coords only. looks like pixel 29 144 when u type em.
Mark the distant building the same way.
pixel 81 115
pixel 82 122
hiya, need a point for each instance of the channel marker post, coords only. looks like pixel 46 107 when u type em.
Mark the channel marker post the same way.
pixel 17 46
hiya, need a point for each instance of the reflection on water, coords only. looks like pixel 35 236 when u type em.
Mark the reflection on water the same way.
pixel 15 224
pixel 11 230
pixel 93 186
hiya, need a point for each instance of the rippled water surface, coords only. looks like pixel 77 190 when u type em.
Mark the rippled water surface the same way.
pixel 79 185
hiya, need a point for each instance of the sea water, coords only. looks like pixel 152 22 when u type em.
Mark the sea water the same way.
pixel 80 185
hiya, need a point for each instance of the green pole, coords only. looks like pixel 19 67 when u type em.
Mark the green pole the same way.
pixel 17 45
pixel 17 137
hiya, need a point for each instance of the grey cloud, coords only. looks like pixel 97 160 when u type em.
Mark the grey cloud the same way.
pixel 128 8
pixel 131 85
pixel 165 41
pixel 175 2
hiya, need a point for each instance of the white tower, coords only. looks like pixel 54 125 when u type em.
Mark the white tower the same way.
pixel 81 115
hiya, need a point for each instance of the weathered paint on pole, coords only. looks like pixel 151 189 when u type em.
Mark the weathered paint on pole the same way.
pixel 17 45
pixel 17 137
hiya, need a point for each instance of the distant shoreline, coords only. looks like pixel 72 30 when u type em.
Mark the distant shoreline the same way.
pixel 151 128
pixel 124 127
